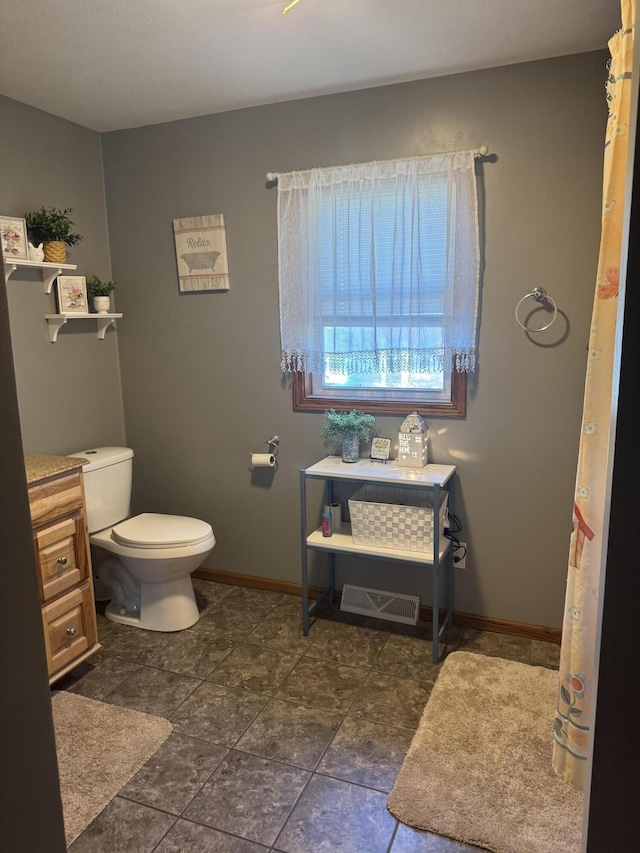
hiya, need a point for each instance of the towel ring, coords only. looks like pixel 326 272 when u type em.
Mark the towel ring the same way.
pixel 538 295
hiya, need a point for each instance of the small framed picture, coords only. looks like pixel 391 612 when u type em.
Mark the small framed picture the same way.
pixel 72 294
pixel 380 448
pixel 201 253
pixel 13 233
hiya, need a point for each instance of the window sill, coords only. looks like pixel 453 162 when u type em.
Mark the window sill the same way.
pixel 305 401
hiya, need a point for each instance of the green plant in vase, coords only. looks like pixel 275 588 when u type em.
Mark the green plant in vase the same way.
pixel 100 293
pixel 351 427
pixel 52 228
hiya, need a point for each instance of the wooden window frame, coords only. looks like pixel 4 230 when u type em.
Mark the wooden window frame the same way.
pixel 304 401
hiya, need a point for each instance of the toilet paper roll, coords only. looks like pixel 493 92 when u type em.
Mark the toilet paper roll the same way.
pixel 336 517
pixel 263 460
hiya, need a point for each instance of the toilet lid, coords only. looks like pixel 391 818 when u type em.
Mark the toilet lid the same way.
pixel 151 529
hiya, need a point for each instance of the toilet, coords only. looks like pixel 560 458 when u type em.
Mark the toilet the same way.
pixel 146 561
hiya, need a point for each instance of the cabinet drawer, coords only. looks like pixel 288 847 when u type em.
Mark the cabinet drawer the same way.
pixel 69 627
pixel 52 500
pixel 61 556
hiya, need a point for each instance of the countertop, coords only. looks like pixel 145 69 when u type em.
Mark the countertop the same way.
pixel 40 467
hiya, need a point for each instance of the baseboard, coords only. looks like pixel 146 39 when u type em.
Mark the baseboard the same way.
pixel 253 581
pixel 463 620
pixel 504 626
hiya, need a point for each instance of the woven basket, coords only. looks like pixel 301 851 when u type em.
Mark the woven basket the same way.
pixel 55 252
pixel 401 518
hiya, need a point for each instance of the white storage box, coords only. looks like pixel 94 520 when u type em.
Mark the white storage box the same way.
pixel 389 517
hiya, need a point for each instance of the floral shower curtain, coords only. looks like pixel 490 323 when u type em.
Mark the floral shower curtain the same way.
pixel 575 705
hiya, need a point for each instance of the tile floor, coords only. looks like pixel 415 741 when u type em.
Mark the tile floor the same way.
pixel 280 742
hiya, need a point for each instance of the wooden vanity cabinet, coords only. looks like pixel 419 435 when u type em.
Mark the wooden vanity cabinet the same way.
pixel 61 543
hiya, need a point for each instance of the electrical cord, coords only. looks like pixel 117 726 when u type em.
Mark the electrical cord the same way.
pixel 455 527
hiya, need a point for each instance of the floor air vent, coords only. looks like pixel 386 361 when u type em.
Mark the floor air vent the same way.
pixel 385 605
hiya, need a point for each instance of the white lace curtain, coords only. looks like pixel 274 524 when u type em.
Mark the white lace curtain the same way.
pixel 379 266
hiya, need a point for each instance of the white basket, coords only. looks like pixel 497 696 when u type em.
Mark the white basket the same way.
pixel 389 517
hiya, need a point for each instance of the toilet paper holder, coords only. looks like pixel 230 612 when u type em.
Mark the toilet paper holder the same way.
pixel 267 460
pixel 274 444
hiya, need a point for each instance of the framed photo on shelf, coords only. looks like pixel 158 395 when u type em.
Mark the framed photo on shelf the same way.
pixel 72 294
pixel 13 234
pixel 380 448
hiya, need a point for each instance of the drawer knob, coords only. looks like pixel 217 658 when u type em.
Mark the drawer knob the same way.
pixel 62 561
pixel 71 632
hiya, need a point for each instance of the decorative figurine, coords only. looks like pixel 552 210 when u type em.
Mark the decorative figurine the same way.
pixel 36 254
pixel 413 442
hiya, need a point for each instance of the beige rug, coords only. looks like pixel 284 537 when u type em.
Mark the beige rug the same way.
pixel 99 747
pixel 479 767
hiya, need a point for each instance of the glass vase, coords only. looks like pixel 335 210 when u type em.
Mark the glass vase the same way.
pixel 350 447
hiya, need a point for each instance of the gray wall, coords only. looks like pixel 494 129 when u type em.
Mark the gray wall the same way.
pixel 200 373
pixel 69 392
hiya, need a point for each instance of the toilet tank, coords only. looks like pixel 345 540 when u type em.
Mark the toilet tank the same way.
pixel 107 485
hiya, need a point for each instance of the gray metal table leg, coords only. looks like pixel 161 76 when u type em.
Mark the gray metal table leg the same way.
pixel 303 556
pixel 450 565
pixel 436 572
pixel 331 559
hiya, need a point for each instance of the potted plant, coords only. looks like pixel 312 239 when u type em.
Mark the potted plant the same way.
pixel 52 228
pixel 100 291
pixel 351 427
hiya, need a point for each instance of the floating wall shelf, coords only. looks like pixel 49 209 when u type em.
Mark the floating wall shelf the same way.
pixel 57 321
pixel 49 271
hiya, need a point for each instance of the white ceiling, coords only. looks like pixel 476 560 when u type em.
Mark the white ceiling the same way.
pixel 110 64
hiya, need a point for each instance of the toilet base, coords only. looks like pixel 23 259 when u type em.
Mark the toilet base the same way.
pixel 167 606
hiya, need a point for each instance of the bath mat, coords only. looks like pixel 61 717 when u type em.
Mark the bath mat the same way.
pixel 479 767
pixel 99 748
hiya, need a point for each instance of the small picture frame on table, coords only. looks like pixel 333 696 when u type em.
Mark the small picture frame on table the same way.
pixel 380 449
pixel 13 236
pixel 72 294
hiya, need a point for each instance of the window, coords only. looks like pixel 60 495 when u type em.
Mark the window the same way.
pixel 450 402
pixel 378 272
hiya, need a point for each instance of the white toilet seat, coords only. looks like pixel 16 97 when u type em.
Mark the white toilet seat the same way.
pixel 105 539
pixel 151 530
